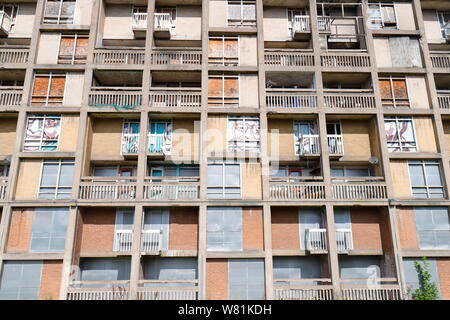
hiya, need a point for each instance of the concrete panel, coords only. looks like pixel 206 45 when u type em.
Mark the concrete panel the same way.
pixel 50 280
pixel 356 137
pixel 417 92
pixel 106 137
pixel 248 55
pixel 69 133
pixel 407 228
pixel 24 21
pixel 252 229
pixel 48 48
pixel 405 15
pixel 20 230
pixel 281 142
pixel 251 180
pixel 275 24
pixel 426 139
pixel 7 135
pixel 382 52
pixel 183 229
pixel 432 26
pixel 400 179
pixel 184 140
pixel 28 180
pixel 74 86
pixel 217 133
pixel 189 23
pixel 217 279
pixel 248 91
pixel 83 12
pixel 218 13
pixel 118 20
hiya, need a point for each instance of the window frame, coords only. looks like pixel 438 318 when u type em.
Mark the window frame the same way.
pixel 223 188
pixel 394 103
pixel 427 187
pixel 222 61
pixel 45 100
pixel 223 103
pixel 225 234
pixel 233 146
pixel 14 12
pixel 57 186
pixel 380 6
pixel 400 143
pixel 59 18
pixel 53 232
pixel 419 228
pixel 72 60
pixel 312 126
pixel 44 118
pixel 241 22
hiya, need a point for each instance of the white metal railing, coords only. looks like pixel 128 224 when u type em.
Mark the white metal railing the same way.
pixel 115 96
pixel 3 188
pixel 139 20
pixel 111 293
pixel 344 240
pixel 444 99
pixel 297 191
pixel 163 21
pixel 151 241
pixel 301 24
pixel 10 97
pixel 303 293
pixel 349 100
pixel 157 143
pixel 290 98
pixel 335 144
pixel 324 24
pixel 440 59
pixel 383 292
pixel 288 58
pixel 308 144
pixel 353 60
pixel 168 290
pixel 316 240
pixel 123 241
pixel 366 190
pixel 171 190
pixel 130 143
pixel 107 188
pixel 14 55
pixel 5 21
pixel 175 97
pixel 168 56
pixel 119 56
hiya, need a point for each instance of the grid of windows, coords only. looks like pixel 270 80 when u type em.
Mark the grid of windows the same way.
pixel 426 180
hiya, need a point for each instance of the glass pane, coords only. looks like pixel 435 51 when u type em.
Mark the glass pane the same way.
pixel 215 175
pixel 433 175
pixel 49 174
pixel 416 175
pixel 66 175
pixel 232 175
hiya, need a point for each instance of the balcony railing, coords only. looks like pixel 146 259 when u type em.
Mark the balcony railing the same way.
pixel 286 189
pixel 115 96
pixel 288 58
pixel 151 241
pixel 163 21
pixel 159 143
pixel 308 144
pixel 107 188
pixel 349 99
pixel 5 22
pixel 304 290
pixel 130 144
pixel 119 56
pixel 301 24
pixel 14 55
pixel 169 56
pixel 444 99
pixel 175 97
pixel 345 60
pixel 11 96
pixel 316 240
pixel 440 59
pixel 168 290
pixel 123 241
pixel 375 292
pixel 115 291
pixel 344 240
pixel 324 24
pixel 172 188
pixel 3 188
pixel 139 20
pixel 335 144
pixel 290 98
pixel 359 190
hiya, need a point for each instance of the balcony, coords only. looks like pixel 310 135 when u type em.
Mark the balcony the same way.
pixel 359 190
pixel 301 26
pixel 129 144
pixel 440 59
pixel 290 98
pixel 175 97
pixel 123 241
pixel 122 97
pixel 309 144
pixel 119 56
pixel 3 188
pixel 117 291
pixel 11 96
pixel 139 24
pixel 163 25
pixel 172 188
pixel 14 55
pixel 168 290
pixel 344 240
pixel 376 292
pixel 316 240
pixel 345 60
pixel 335 144
pixel 5 23
pixel 323 290
pixel 171 57
pixel 349 99
pixel 108 188
pixel 151 241
pixel 288 58
pixel 444 99
pixel 287 188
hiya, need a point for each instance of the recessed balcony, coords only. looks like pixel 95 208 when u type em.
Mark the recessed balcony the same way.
pixel 349 99
pixel 124 56
pixel 296 188
pixel 139 24
pixel 163 25
pixel 167 97
pixel 172 188
pixel 358 189
pixel 108 188
pixel 14 55
pixel 444 99
pixel 288 58
pixel 171 57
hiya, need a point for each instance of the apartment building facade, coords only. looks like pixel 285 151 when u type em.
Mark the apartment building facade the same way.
pixel 223 149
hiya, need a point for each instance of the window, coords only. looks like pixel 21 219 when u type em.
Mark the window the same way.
pixel 309 218
pixel 444 19
pixel 170 269
pixel 114 171
pixel 223 91
pixel 306 138
pixel 49 230
pixel 139 17
pixel 296 268
pixel 123 238
pixel 334 136
pixel 425 177
pixel 382 16
pixel 56 179
pixel 241 13
pixel 158 219
pixel 351 172
pixel 224 181
pixel 105 269
pixel 433 227
pixel 73 49
pixel 9 16
pixel 246 279
pixel 359 268
pixel 4 170
pixel 160 137
pixel 243 133
pixel 42 133
pixel 223 51
pixel 394 92
pixel 405 52
pixel 48 89
pixel 400 134
pixel 224 229
pixel 412 277
pixel 298 20
pixel 171 12
pixel 130 137
pixel 184 172
pixel 21 280
pixel 59 11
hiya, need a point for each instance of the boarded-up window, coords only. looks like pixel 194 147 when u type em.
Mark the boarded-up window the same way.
pixel 168 272
pixel 246 279
pixel 433 227
pixel 241 13
pixel 223 91
pixel 394 92
pixel 224 229
pixel 73 49
pixel 42 133
pixel 48 89
pixel 59 11
pixel 400 134
pixel 243 133
pixel 405 52
pixel 223 51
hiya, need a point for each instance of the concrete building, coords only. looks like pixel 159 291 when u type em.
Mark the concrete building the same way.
pixel 223 149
